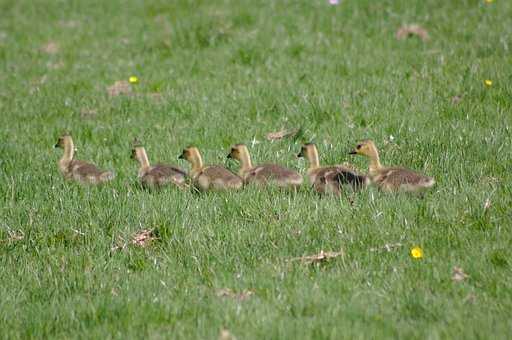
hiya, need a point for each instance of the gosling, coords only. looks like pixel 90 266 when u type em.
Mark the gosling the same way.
pixel 391 179
pixel 329 179
pixel 159 175
pixel 211 177
pixel 265 174
pixel 76 170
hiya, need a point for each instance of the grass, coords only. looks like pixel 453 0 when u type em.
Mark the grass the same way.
pixel 232 71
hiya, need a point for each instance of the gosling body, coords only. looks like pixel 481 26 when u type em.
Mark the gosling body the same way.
pixel 391 179
pixel 329 179
pixel 159 175
pixel 77 170
pixel 264 174
pixel 210 177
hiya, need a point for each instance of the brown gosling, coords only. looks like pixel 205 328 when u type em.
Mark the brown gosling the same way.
pixel 265 174
pixel 79 171
pixel 329 179
pixel 211 177
pixel 391 179
pixel 158 175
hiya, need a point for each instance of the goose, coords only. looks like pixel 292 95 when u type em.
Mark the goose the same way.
pixel 158 175
pixel 391 179
pixel 329 179
pixel 263 174
pixel 79 171
pixel 210 177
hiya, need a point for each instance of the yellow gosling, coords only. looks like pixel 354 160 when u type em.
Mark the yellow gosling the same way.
pixel 329 179
pixel 391 179
pixel 211 177
pixel 265 174
pixel 79 171
pixel 158 175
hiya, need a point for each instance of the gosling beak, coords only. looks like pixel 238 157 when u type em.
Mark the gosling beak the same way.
pixel 56 146
pixel 181 156
pixel 229 156
pixel 353 152
pixel 299 155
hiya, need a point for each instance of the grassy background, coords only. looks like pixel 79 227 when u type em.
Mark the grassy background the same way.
pixel 231 71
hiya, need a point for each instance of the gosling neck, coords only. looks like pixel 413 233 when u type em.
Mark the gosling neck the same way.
pixel 142 157
pixel 314 160
pixel 69 151
pixel 197 163
pixel 245 162
pixel 374 161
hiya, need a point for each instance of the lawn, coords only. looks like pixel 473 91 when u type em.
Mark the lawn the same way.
pixel 215 73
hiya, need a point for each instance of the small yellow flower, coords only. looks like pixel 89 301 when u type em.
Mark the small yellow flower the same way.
pixel 417 252
pixel 133 80
pixel 488 82
pixel 489 1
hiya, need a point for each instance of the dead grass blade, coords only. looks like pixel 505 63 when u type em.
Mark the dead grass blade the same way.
pixel 241 296
pixel 408 31
pixel 387 247
pixel 458 274
pixel 155 96
pixel 143 238
pixel 470 298
pixel 54 65
pixel 51 48
pixel 14 236
pixel 88 113
pixel 456 99
pixel 320 257
pixel 117 247
pixel 282 134
pixel 487 204
pixel 69 23
pixel 120 87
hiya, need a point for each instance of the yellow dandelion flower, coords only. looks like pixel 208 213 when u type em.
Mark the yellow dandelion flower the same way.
pixel 488 82
pixel 417 252
pixel 133 80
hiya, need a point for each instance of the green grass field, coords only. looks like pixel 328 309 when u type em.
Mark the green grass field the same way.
pixel 215 73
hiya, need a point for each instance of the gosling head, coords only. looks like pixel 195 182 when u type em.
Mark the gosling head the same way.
pixel 190 154
pixel 307 151
pixel 137 148
pixel 238 151
pixel 64 139
pixel 365 148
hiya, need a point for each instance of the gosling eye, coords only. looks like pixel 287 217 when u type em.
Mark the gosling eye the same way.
pixel 358 147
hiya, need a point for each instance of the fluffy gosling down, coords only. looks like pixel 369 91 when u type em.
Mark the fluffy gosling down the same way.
pixel 211 177
pixel 79 171
pixel 391 179
pixel 158 175
pixel 265 174
pixel 329 179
